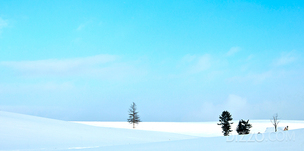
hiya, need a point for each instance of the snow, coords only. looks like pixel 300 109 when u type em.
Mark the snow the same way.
pixel 200 129
pixel 271 129
pixel 247 143
pixel 29 133
pixel 23 132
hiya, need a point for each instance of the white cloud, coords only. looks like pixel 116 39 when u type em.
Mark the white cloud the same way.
pixel 80 27
pixel 52 86
pixel 102 66
pixel 236 105
pixel 3 24
pixel 55 66
pixel 255 78
pixel 188 58
pixel 208 111
pixel 84 25
pixel 239 107
pixel 37 87
pixel 286 58
pixel 202 64
pixel 233 51
pixel 195 64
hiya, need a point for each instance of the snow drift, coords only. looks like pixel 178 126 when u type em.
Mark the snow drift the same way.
pixel 23 132
pixel 29 133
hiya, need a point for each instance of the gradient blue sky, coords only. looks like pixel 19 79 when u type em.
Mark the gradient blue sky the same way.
pixel 177 60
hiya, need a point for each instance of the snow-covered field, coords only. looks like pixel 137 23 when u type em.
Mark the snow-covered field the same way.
pixel 200 129
pixel 23 132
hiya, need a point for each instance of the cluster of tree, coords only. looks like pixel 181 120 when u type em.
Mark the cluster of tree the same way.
pixel 243 127
pixel 225 120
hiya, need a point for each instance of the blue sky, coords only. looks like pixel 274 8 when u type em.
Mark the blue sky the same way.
pixel 177 60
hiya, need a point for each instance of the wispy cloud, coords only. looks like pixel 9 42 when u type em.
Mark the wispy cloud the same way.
pixel 255 78
pixel 242 108
pixel 84 25
pixel 49 86
pixel 80 27
pixel 3 24
pixel 202 64
pixel 104 66
pixel 235 104
pixel 55 66
pixel 195 63
pixel 233 51
pixel 286 58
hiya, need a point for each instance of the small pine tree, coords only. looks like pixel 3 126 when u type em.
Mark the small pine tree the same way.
pixel 133 115
pixel 225 119
pixel 243 127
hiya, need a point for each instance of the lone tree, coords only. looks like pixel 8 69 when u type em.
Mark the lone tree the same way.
pixel 243 127
pixel 225 119
pixel 133 115
pixel 275 122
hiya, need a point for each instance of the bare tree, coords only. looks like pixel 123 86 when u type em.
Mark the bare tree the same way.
pixel 133 115
pixel 275 122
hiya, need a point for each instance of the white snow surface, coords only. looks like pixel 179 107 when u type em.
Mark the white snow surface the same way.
pixel 200 129
pixel 29 133
pixel 23 132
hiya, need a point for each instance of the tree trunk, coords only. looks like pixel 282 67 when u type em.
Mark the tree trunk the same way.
pixel 133 125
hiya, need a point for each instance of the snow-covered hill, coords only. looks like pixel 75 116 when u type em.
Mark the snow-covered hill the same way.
pixel 200 129
pixel 291 140
pixel 23 132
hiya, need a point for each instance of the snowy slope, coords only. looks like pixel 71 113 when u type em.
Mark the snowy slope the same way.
pixel 29 133
pixel 291 140
pixel 201 129
pixel 23 132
